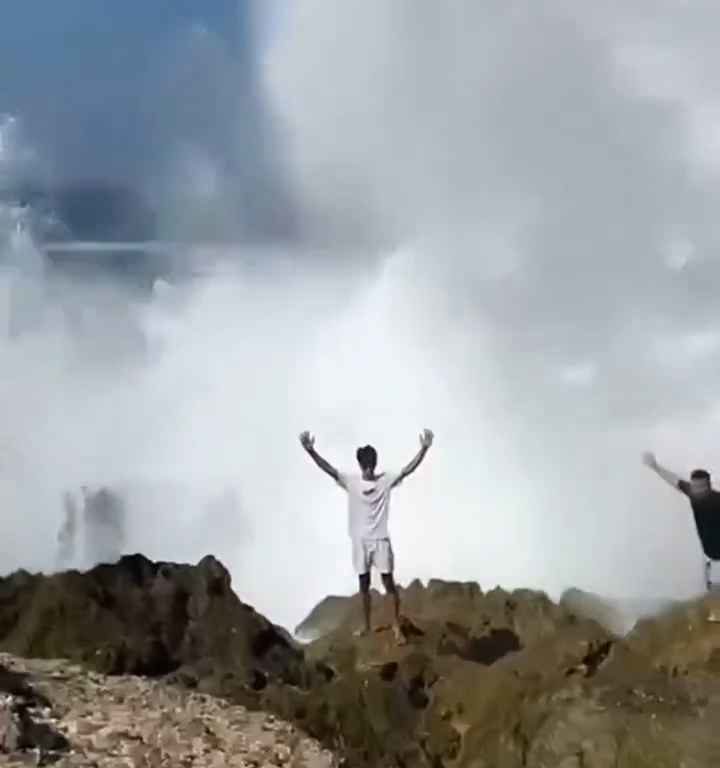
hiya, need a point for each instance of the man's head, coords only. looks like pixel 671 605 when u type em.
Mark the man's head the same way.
pixel 699 483
pixel 367 459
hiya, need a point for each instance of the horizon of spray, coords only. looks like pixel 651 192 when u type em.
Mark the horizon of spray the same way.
pixel 545 312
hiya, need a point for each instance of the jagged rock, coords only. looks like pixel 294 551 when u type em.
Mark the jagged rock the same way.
pixel 512 680
pixel 325 617
pixel 526 613
pixel 680 640
pixel 415 703
pixel 140 617
pixel 617 616
pixel 497 679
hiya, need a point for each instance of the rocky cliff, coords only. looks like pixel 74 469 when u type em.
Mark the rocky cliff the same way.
pixel 496 679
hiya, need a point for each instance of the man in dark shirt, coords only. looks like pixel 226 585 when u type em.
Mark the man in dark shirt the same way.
pixel 705 503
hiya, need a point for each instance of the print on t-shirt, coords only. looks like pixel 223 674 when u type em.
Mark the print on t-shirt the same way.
pixel 368 504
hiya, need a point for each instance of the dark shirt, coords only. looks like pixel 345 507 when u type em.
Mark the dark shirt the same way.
pixel 707 519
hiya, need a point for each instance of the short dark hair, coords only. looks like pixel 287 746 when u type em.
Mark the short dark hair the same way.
pixel 367 457
pixel 700 474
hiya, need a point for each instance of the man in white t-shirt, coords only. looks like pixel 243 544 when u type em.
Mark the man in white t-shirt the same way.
pixel 368 509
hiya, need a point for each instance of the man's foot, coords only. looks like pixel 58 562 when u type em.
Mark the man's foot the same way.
pixel 714 615
pixel 361 632
pixel 399 635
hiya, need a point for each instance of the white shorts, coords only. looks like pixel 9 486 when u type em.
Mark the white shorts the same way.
pixel 712 574
pixel 372 553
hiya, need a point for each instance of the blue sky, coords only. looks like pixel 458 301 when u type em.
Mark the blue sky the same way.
pixel 104 89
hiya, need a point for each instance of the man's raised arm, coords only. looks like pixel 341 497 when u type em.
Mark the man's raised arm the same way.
pixel 308 443
pixel 669 477
pixel 426 440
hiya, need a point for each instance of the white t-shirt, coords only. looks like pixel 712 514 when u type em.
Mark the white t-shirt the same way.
pixel 368 504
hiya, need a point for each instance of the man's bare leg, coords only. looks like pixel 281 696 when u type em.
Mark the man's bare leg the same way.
pixel 713 591
pixel 392 592
pixel 364 580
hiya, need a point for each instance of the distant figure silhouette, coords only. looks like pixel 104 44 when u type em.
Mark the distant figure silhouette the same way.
pixel 104 526
pixel 368 510
pixel 705 503
pixel 67 534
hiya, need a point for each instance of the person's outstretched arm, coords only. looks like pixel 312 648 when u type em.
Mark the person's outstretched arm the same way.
pixel 308 443
pixel 669 477
pixel 426 440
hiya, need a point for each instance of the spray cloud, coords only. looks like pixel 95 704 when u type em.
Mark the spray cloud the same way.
pixel 545 305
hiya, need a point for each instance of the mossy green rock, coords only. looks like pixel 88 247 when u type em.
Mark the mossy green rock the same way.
pixel 512 680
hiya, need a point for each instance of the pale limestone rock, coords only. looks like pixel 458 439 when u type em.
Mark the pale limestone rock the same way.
pixel 128 722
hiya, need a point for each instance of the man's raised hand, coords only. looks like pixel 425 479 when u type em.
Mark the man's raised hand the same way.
pixel 308 443
pixel 669 477
pixel 426 438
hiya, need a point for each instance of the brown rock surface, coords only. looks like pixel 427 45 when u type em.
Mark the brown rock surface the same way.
pixel 514 681
pixel 141 617
pixel 618 616
pixel 324 618
pixel 486 680
pixel 530 614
